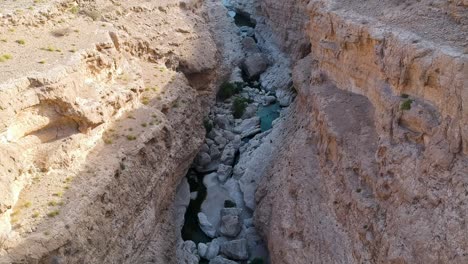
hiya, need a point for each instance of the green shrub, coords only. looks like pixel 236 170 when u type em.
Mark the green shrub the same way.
pixel 257 261
pixel 406 105
pixel 229 204
pixel 238 106
pixel 229 89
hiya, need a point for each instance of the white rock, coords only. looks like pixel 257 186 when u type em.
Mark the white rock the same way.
pixel 235 249
pixel 224 172
pixel 205 225
pixel 248 125
pixel 202 249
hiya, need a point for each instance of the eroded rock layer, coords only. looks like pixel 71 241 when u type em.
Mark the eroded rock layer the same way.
pixel 372 165
pixel 101 109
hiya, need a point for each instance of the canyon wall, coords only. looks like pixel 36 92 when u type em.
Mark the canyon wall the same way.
pixel 101 109
pixel 372 165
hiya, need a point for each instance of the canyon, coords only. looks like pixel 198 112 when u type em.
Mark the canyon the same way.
pixel 233 131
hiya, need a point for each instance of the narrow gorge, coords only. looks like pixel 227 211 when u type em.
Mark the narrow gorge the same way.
pixel 233 131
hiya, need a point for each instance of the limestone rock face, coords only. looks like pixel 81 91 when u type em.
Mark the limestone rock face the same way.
pixel 371 165
pixel 100 118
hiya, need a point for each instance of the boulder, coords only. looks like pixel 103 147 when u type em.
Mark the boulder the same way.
pixel 203 159
pixel 254 65
pixel 224 172
pixel 212 250
pixel 251 133
pixel 250 46
pixel 236 75
pixel 247 125
pixel 230 225
pixel 187 252
pixel 202 249
pixel 228 155
pixel 235 249
pixel 221 260
pixel 250 111
pixel 222 121
pixel 208 251
pixel 221 141
pixel 268 100
pixel 205 225
pixel 214 152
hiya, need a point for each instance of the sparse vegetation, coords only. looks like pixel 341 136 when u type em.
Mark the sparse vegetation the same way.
pixel 406 105
pixel 35 214
pixel 53 213
pixel 229 204
pixel 108 141
pixel 21 41
pixel 238 106
pixel 403 95
pixel 52 203
pixel 144 125
pixel 27 204
pixel 229 89
pixel 208 125
pixel 145 100
pixel 74 10
pixel 42 62
pixel 58 194
pixel 131 137
pixel 5 57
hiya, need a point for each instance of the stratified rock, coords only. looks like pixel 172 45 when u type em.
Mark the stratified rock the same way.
pixel 235 249
pixel 205 225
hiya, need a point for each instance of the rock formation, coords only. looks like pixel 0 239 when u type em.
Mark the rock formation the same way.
pixel 105 105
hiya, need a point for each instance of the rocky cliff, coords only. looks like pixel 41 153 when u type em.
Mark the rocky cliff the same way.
pixel 101 107
pixel 372 166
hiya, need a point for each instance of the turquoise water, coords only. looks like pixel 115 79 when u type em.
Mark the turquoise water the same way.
pixel 267 114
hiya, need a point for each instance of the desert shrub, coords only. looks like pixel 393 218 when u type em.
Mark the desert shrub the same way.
pixel 406 105
pixel 403 95
pixel 229 204
pixel 238 106
pixel 229 89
